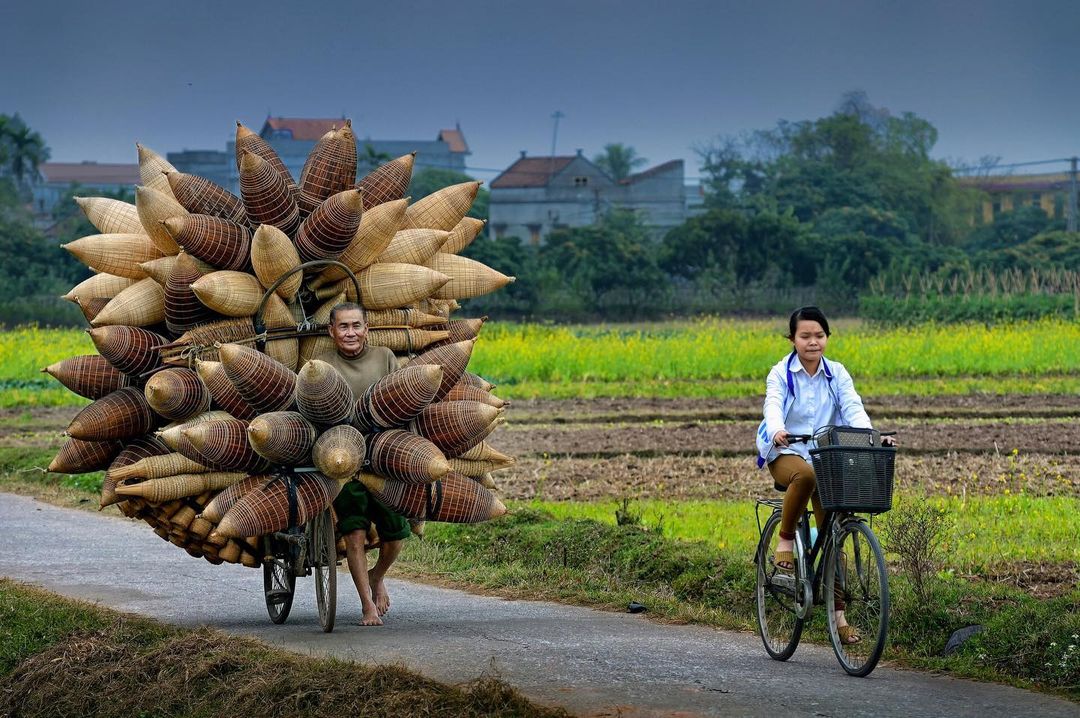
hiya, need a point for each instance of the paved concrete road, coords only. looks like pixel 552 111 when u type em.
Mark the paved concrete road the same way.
pixel 594 663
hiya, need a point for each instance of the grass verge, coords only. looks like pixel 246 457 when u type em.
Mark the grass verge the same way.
pixel 64 657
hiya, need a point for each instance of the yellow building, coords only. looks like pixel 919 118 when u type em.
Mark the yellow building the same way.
pixel 1005 193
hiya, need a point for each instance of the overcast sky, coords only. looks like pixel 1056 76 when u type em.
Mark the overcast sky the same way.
pixel 995 78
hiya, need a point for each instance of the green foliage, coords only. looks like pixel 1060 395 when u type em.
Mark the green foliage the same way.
pixel 432 179
pixel 21 152
pixel 618 160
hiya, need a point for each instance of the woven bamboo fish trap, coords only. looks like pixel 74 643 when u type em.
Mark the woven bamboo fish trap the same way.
pixel 399 318
pixel 199 195
pixel 477 469
pixel 404 456
pixel 330 228
pixel 224 394
pixel 442 209
pixel 320 345
pixel 282 437
pixel 323 396
pixel 474 380
pixel 437 307
pixel 172 434
pixel 199 343
pixel 388 286
pixel 152 169
pixel 378 225
pixel 248 141
pixel 99 285
pixel 456 426
pixel 224 446
pixel 232 293
pixel 111 216
pixel 123 414
pixel 140 305
pixel 388 182
pixel 90 375
pixel 77 456
pixel 177 393
pixel 398 397
pixel 132 350
pixel 267 198
pixel 330 168
pixel 118 254
pixel 469 278
pixel 463 392
pixel 265 509
pixel 454 499
pixel 159 467
pixel 405 340
pixel 413 246
pixel 339 452
pixel 263 382
pixel 462 329
pixel 272 255
pixel 487 481
pixel 218 242
pixel 92 307
pixel 180 486
pixel 220 504
pixel 183 310
pixel 159 269
pixel 462 235
pixel 134 451
pixel 284 349
pixel 453 358
pixel 486 452
pixel 154 208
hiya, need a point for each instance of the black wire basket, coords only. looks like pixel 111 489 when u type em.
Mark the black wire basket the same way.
pixel 854 471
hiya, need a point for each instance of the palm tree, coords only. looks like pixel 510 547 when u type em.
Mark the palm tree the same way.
pixel 22 151
pixel 618 160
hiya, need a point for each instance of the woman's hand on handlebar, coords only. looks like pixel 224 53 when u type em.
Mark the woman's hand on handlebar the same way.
pixel 781 438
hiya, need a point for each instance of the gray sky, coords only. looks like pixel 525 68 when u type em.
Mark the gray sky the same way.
pixel 92 78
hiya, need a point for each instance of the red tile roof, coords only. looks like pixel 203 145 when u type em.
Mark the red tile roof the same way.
pixel 455 138
pixel 90 173
pixel 658 169
pixel 531 172
pixel 301 128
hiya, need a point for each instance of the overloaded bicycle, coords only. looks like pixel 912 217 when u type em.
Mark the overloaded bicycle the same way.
pixel 843 564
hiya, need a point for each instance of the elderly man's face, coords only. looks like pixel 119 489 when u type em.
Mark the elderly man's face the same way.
pixel 349 332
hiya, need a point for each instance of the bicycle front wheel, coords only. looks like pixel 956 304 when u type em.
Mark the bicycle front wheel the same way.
pixel 778 597
pixel 324 568
pixel 855 574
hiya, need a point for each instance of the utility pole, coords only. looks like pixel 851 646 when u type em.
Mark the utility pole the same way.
pixel 1071 220
pixel 557 115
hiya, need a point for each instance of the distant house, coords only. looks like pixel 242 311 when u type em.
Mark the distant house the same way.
pixel 294 137
pixel 1003 193
pixel 57 178
pixel 536 195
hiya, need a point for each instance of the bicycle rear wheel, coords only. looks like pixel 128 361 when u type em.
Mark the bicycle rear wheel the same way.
pixel 778 597
pixel 855 573
pixel 324 568
pixel 279 585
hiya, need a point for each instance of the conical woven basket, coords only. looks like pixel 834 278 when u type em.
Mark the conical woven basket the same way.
pixel 317 346
pixel 159 269
pixel 264 383
pixel 414 246
pixel 183 310
pixel 140 305
pixel 285 349
pixel 464 392
pixel 388 182
pixel 462 235
pixel 486 452
pixel 389 286
pixel 378 225
pixel 118 254
pixel 123 414
pixel 232 293
pixel 265 509
pixel 398 397
pixel 99 285
pixel 199 343
pixel 323 396
pixel 272 255
pixel 474 380
pixel 330 228
pixel 453 358
pixel 158 467
pixel 404 456
pixel 220 504
pixel 477 469
pixel 171 488
pixel 282 437
pixel 456 426
pixel 224 394
pixel 224 446
pixel 111 216
pixel 469 278
pixel 218 242
pixel 154 208
pixel 442 209
pixel 177 393
pixel 152 169
pixel 248 141
pixel 405 340
pixel 92 307
pixel 330 168
pixel 455 499
pixel 172 434
pixel 78 457
pixel 399 318
pixel 135 450
pixel 339 452
pixel 90 376
pixel 199 195
pixel 267 198
pixel 132 350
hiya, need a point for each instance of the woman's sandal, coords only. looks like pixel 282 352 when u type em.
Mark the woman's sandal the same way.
pixel 784 560
pixel 848 635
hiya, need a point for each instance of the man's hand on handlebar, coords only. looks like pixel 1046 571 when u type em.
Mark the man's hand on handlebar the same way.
pixel 781 438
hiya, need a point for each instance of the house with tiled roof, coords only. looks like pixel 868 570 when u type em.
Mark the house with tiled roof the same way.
pixel 536 195
pixel 1006 192
pixel 55 179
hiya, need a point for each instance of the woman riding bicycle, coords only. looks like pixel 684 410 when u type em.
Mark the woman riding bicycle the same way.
pixel 804 392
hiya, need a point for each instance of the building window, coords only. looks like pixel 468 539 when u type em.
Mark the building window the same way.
pixel 534 233
pixel 996 207
pixel 499 229
pixel 581 181
pixel 1036 199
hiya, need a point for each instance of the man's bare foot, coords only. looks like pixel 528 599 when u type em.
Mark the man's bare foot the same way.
pixel 371 617
pixel 379 595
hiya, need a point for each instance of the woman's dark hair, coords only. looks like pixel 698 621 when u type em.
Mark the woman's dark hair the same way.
pixel 810 314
